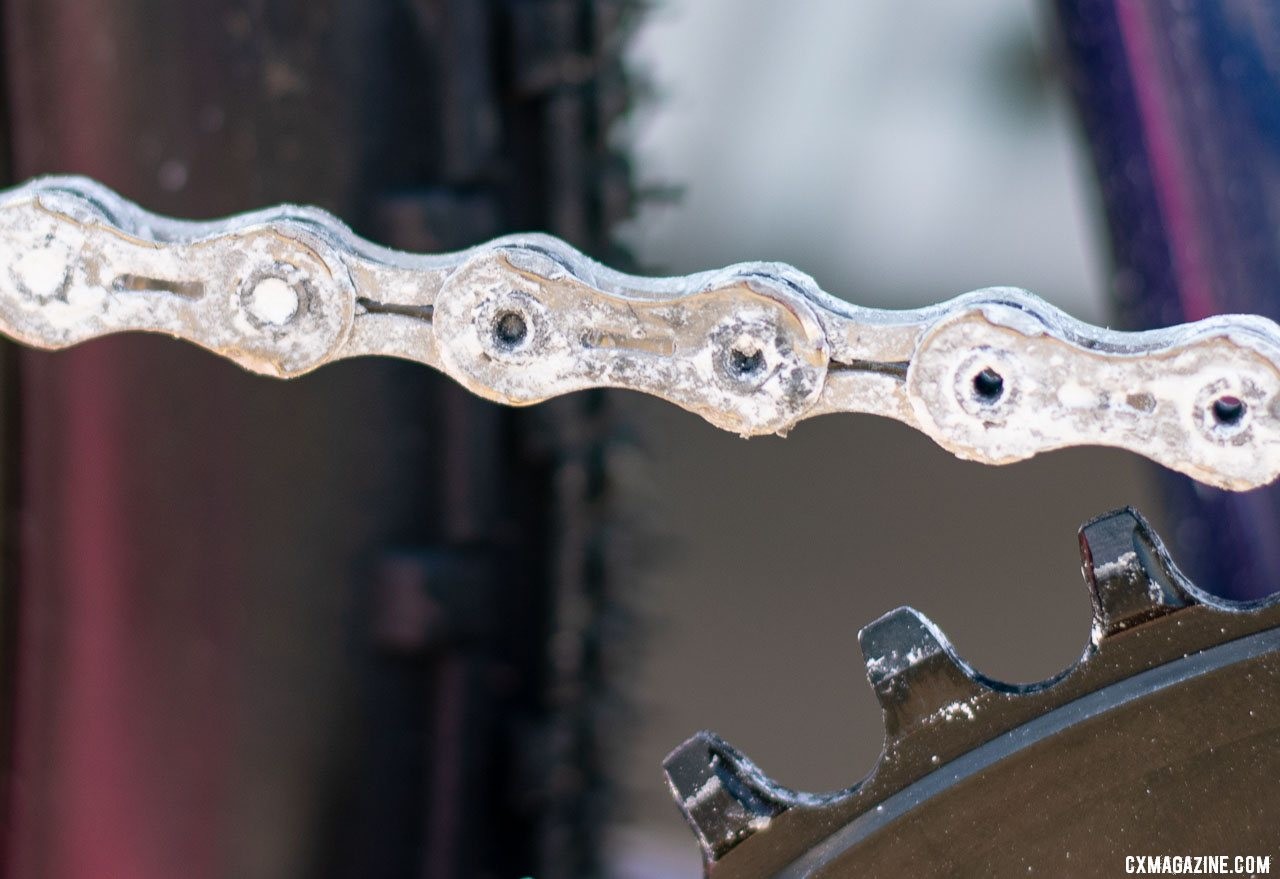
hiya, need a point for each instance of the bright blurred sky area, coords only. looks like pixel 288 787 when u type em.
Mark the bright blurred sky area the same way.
pixel 899 152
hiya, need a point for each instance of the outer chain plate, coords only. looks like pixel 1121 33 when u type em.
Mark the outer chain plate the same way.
pixel 997 375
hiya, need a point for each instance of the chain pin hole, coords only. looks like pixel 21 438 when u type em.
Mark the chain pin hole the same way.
pixel 273 301
pixel 510 329
pixel 745 364
pixel 988 386
pixel 1228 411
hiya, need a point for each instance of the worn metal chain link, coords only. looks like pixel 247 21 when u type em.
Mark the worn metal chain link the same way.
pixel 997 375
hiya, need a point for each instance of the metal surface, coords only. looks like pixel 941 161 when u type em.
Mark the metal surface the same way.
pixel 1173 705
pixel 996 375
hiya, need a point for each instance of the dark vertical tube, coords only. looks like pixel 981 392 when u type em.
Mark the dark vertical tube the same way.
pixel 1180 103
pixel 191 532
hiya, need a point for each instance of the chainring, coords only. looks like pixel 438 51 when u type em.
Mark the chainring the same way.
pixel 1162 739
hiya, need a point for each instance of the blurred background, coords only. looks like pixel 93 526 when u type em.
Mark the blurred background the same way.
pixel 362 624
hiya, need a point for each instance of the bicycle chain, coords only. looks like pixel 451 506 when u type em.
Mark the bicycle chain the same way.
pixel 997 375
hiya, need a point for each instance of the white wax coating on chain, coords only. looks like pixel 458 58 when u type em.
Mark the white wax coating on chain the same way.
pixel 996 375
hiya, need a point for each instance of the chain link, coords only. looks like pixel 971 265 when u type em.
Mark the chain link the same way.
pixel 997 375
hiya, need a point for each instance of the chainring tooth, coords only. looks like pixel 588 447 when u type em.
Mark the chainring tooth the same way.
pixel 915 673
pixel 940 715
pixel 720 793
pixel 1131 578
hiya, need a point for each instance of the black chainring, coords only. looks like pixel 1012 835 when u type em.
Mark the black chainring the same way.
pixel 1162 740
